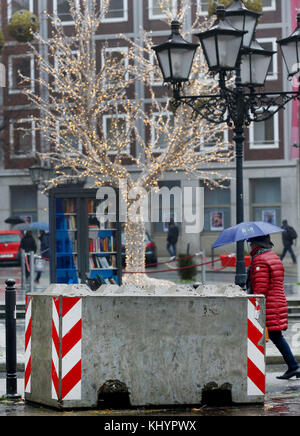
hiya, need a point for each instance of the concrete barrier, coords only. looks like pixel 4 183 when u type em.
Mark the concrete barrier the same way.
pixel 83 347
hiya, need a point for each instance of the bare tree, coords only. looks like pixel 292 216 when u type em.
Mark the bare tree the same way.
pixel 94 124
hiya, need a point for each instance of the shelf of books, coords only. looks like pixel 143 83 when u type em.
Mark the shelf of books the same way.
pixel 102 243
pixel 85 244
pixel 66 240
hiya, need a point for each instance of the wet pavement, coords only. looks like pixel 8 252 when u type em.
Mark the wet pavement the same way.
pixel 282 399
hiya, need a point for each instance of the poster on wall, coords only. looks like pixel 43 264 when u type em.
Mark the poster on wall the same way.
pixel 269 216
pixel 216 221
pixel 27 218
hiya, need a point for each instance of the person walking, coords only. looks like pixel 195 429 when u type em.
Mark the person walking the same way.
pixel 28 244
pixel 45 253
pixel 172 238
pixel 266 276
pixel 288 236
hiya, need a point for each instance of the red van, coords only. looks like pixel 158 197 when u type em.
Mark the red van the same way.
pixel 10 245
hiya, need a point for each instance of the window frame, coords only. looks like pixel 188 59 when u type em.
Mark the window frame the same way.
pixel 57 138
pixel 254 205
pixel 9 9
pixel 270 8
pixel 274 75
pixel 12 129
pixel 73 52
pixel 12 90
pixel 275 144
pixel 105 117
pixel 119 19
pixel 209 206
pixel 123 49
pixel 225 139
pixel 199 9
pixel 151 16
pixel 63 23
pixel 152 75
pixel 154 114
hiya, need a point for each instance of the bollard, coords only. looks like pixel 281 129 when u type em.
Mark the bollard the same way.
pixel 31 266
pixel 11 340
pixel 23 267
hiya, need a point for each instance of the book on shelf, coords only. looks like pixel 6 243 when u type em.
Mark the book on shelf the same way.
pixel 102 244
pixel 69 205
pixel 102 262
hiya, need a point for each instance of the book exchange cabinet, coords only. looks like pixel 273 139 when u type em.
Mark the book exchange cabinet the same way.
pixel 85 244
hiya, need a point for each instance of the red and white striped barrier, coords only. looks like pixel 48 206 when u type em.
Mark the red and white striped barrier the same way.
pixel 27 375
pixel 69 353
pixel 55 347
pixel 256 369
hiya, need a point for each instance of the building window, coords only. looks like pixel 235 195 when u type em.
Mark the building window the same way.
pixel 63 68
pixel 166 204
pixel 115 127
pixel 264 134
pixel 23 64
pixel 23 201
pixel 266 200
pixel 161 127
pixel 66 139
pixel 156 11
pixel 217 208
pixel 15 5
pixel 116 59
pixel 269 5
pixel 155 75
pixel 22 138
pixel 61 8
pixel 117 11
pixel 202 7
pixel 270 44
pixel 212 139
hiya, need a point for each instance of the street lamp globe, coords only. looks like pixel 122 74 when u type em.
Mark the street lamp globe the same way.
pixel 255 63
pixel 175 56
pixel 290 49
pixel 221 44
pixel 241 18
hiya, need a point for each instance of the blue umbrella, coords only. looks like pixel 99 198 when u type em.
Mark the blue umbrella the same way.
pixel 245 230
pixel 39 226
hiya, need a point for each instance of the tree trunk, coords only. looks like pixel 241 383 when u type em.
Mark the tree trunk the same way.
pixel 135 242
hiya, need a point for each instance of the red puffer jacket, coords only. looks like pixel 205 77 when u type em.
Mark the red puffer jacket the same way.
pixel 267 278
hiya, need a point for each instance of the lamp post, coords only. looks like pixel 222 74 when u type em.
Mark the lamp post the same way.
pixel 229 47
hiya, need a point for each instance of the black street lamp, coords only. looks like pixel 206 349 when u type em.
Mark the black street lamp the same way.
pixel 229 47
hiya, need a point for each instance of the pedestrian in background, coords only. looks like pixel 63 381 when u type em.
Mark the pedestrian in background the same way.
pixel 45 253
pixel 172 238
pixel 266 276
pixel 288 236
pixel 28 244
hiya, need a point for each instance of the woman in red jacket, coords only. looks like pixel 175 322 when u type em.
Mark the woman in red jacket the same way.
pixel 266 276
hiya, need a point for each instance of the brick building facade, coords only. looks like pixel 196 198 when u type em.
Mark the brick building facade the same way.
pixel 271 177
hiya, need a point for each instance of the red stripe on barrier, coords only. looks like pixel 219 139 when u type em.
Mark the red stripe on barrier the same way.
pixel 55 338
pixel 255 336
pixel 71 338
pixel 257 377
pixel 71 379
pixel 27 372
pixel 28 334
pixel 68 303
